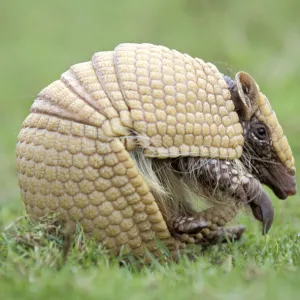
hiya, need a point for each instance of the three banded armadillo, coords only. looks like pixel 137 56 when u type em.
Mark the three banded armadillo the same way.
pixel 122 144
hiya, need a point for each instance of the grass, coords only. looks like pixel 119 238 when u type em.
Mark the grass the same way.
pixel 33 265
pixel 39 40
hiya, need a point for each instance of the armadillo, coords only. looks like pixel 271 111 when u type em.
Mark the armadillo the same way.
pixel 127 143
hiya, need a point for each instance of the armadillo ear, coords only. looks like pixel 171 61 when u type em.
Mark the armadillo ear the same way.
pixel 248 95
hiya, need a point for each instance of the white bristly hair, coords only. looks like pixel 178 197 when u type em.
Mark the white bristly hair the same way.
pixel 174 194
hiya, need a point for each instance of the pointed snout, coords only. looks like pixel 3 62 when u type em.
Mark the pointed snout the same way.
pixel 292 190
pixel 287 188
pixel 280 180
pixel 292 186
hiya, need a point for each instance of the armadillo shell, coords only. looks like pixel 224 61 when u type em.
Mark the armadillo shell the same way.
pixel 72 152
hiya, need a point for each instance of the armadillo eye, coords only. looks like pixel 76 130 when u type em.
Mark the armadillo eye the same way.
pixel 261 133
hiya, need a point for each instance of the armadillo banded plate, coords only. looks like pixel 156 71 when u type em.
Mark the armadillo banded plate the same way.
pixel 179 105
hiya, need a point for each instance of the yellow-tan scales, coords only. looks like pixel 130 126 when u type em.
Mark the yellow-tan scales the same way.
pixel 73 152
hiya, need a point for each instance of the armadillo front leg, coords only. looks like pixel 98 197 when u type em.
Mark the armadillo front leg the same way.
pixel 206 227
pixel 224 180
pixel 207 220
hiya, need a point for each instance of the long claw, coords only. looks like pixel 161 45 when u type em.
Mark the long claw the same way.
pixel 262 209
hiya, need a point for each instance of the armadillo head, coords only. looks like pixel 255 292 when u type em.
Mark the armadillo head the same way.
pixel 266 154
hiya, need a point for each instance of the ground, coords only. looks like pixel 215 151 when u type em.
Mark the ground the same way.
pixel 40 40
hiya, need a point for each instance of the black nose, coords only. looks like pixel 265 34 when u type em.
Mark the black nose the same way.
pixel 292 191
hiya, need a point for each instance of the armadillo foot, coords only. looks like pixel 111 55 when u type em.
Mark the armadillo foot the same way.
pixel 221 235
pixel 208 237
pixel 206 221
pixel 189 225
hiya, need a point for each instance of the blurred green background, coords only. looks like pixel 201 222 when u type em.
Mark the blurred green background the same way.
pixel 40 39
